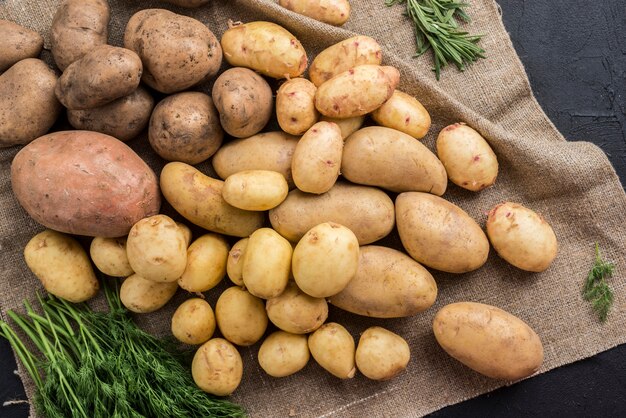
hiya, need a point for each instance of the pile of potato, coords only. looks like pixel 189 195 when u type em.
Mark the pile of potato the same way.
pixel 322 180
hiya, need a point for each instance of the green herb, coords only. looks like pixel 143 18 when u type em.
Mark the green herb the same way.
pixel 596 289
pixel 101 365
pixel 436 28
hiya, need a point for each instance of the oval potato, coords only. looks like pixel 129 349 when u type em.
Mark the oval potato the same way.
pixel 256 190
pixel 234 264
pixel 266 263
pixel 206 263
pixel 283 354
pixel 17 43
pixel 404 113
pixel 295 106
pixel 347 126
pixel 193 322
pixel 381 354
pixel 296 312
pixel 140 295
pixel 332 347
pixel 240 316
pixel 334 12
pixel 186 232
pixel 217 367
pixel 109 256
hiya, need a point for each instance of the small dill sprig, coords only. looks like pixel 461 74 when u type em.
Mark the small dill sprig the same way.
pixel 596 289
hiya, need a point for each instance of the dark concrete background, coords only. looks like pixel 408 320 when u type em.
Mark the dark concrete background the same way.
pixel 574 52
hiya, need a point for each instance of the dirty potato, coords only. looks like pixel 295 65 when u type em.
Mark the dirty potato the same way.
pixel 17 43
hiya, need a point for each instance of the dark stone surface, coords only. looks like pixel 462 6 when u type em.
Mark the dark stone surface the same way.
pixel 574 52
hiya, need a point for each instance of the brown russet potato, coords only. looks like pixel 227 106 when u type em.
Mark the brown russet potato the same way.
pixel 404 113
pixel 17 43
pixel 295 106
pixel 334 12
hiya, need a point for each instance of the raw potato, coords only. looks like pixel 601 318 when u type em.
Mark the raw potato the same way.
pixel 295 106
pixel 240 316
pixel 77 28
pixel 317 159
pixel 325 259
pixel 264 47
pixel 404 113
pixel 255 189
pixel 217 367
pixel 266 263
pixel 109 256
pixel 186 231
pixel 123 118
pixel 358 50
pixel 28 108
pixel 439 234
pixel 62 266
pixel 193 322
pixel 334 12
pixel 381 354
pixel 296 312
pixel 366 211
pixel 157 249
pixel 332 347
pixel 234 264
pixel 17 43
pixel 206 263
pixel 387 284
pixel 283 354
pixel 185 127
pixel 488 340
pixel 467 157
pixel 347 126
pixel 178 51
pixel 521 236
pixel 86 183
pixel 267 151
pixel 198 198
pixel 99 77
pixel 244 101
pixel 140 295
pixel 190 4
pixel 393 160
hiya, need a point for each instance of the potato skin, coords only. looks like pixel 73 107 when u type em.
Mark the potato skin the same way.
pixel 334 12
pixel 77 28
pixel 266 263
pixel 521 236
pixel 190 4
pixel 332 347
pixel 141 295
pixel 29 107
pixel 366 211
pixel 156 35
pixel 234 264
pixel 347 126
pixel 349 53
pixel 488 340
pixel 295 106
pixel 283 354
pixel 240 316
pixel 185 127
pixel 86 183
pixel 265 47
pixel 381 354
pixel 296 312
pixel 62 266
pixel 193 322
pixel 186 231
pixel 439 234
pixel 387 284
pixel 255 189
pixel 217 367
pixel 198 198
pixel 206 263
pixel 469 160
pixel 404 113
pixel 109 256
pixel 393 160
pixel 17 43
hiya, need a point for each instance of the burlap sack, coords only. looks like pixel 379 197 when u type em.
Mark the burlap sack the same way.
pixel 570 183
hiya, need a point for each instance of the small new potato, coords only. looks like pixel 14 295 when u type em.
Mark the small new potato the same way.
pixel 217 367
pixel 381 354
pixel 469 160
pixel 193 322
pixel 488 340
pixel 206 263
pixel 296 312
pixel 347 126
pixel 17 43
pixel 186 231
pixel 234 264
pixel 266 263
pixel 109 256
pixel 140 295
pixel 334 12
pixel 295 106
pixel 62 266
pixel 283 354
pixel 332 347
pixel 240 316
pixel 522 237
pixel 257 190
pixel 404 113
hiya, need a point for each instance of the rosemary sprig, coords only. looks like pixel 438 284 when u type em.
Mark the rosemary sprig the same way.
pixel 596 289
pixel 436 28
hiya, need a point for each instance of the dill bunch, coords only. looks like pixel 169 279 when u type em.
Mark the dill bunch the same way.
pixel 596 289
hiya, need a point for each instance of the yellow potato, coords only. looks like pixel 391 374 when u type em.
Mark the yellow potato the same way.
pixel 317 159
pixel 199 199
pixel 193 322
pixel 109 256
pixel 217 367
pixel 387 284
pixel 384 157
pixel 357 91
pixel 184 229
pixel 295 106
pixel 234 264
pixel 521 236
pixel 283 354
pixel 62 266
pixel 334 12
pixel 332 347
pixel 240 316
pixel 264 47
pixel 381 354
pixel 467 157
pixel 206 263
pixel 296 312
pixel 140 295
pixel 439 234
pixel 266 263
pixel 347 126
pixel 404 113
pixel 255 189
pixel 358 50
pixel 488 340
pixel 157 249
